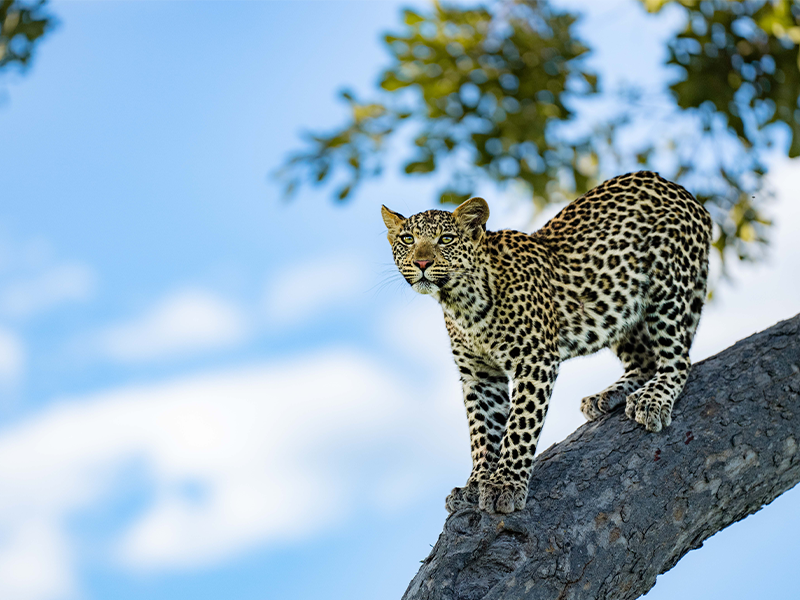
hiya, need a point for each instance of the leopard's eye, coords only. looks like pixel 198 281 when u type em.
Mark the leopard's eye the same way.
pixel 446 239
pixel 407 239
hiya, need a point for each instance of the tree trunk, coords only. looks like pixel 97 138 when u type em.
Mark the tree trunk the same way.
pixel 613 506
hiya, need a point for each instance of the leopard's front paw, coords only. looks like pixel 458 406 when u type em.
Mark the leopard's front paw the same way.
pixel 462 497
pixel 500 496
pixel 646 409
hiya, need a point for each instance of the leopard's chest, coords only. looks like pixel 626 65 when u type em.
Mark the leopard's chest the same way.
pixel 472 334
pixel 499 338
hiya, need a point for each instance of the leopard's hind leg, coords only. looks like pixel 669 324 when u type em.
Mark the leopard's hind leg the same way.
pixel 672 318
pixel 640 365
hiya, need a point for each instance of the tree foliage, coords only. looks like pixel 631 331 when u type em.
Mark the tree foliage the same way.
pixel 502 92
pixel 487 89
pixel 740 76
pixel 22 25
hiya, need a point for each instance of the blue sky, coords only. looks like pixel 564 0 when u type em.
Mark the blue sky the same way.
pixel 205 390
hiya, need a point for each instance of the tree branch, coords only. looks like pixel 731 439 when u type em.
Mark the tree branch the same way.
pixel 613 506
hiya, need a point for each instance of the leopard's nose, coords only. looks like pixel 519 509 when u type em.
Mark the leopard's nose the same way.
pixel 423 264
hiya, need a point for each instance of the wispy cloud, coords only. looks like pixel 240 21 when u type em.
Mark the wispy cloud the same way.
pixel 46 290
pixel 305 290
pixel 759 295
pixel 268 451
pixel 34 560
pixel 184 322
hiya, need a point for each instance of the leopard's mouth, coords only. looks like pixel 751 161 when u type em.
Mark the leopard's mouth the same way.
pixel 428 285
pixel 423 285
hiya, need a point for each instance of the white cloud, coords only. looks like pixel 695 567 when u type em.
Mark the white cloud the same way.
pixel 765 293
pixel 56 285
pixel 33 561
pixel 258 440
pixel 418 331
pixel 277 451
pixel 303 291
pixel 184 322
pixel 12 358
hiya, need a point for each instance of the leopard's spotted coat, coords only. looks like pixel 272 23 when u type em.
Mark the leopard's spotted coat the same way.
pixel 623 266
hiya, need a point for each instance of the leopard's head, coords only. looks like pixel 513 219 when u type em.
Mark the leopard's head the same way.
pixel 434 247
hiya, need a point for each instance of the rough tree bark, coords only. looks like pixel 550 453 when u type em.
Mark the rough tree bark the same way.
pixel 613 506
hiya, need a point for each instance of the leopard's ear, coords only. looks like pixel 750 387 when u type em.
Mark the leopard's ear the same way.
pixel 394 221
pixel 472 216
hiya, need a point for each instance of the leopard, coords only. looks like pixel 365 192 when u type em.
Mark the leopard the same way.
pixel 624 266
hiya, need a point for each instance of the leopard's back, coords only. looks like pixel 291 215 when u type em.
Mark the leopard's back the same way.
pixel 618 249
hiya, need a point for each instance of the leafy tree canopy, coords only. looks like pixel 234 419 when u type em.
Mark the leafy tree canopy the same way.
pixel 21 26
pixel 502 92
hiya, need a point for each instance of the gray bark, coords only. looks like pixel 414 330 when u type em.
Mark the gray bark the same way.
pixel 613 506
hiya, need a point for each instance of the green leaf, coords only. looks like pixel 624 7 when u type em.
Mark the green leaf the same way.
pixel 391 83
pixel 411 18
pixel 450 196
pixel 794 148
pixel 344 192
pixel 421 166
